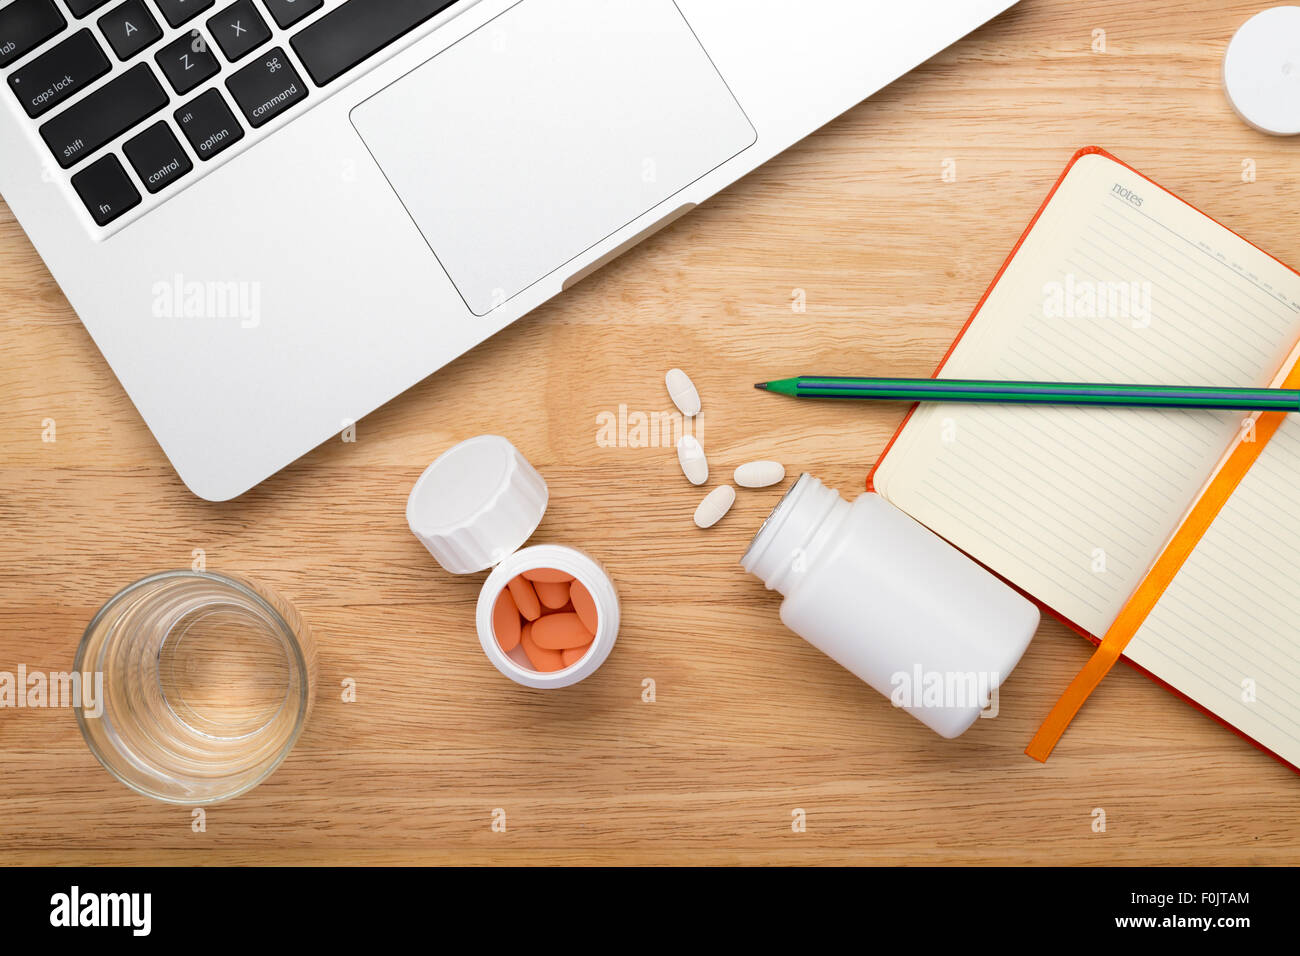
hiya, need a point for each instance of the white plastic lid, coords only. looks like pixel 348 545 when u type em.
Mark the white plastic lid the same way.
pixel 1261 71
pixel 476 504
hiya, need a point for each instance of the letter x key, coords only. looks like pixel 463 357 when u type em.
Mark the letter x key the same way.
pixel 239 30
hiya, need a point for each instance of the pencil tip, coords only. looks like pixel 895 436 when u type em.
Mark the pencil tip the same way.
pixel 762 385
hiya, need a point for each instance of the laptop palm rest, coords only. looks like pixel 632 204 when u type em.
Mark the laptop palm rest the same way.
pixel 545 131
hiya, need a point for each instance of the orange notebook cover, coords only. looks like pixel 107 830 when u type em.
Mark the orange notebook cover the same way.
pixel 1117 279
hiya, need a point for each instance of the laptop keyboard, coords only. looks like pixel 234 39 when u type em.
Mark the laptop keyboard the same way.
pixel 114 86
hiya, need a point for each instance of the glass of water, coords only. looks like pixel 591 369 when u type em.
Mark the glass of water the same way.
pixel 207 683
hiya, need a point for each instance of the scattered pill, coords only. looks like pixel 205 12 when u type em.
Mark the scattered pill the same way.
pixel 521 589
pixel 584 606
pixel 552 594
pixel 690 454
pixel 571 655
pixel 542 658
pixel 549 575
pixel 505 621
pixel 683 392
pixel 558 631
pixel 715 504
pixel 760 474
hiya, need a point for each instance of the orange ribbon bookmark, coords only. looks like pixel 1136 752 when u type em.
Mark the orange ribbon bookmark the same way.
pixel 1148 593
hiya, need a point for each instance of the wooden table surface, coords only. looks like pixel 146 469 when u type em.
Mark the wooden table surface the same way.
pixel 748 724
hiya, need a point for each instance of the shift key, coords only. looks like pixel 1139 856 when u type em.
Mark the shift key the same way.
pixel 105 114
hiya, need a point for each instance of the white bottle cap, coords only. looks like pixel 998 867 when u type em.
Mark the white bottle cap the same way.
pixel 1261 71
pixel 476 504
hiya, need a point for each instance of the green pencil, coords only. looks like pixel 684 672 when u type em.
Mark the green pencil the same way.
pixel 1036 393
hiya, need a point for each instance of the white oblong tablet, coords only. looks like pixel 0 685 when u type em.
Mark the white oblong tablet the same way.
pixel 683 392
pixel 690 454
pixel 715 504
pixel 760 474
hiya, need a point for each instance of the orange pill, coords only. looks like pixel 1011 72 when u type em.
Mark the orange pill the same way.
pixel 549 575
pixel 543 658
pixel 521 589
pixel 572 655
pixel 584 606
pixel 558 631
pixel 505 621
pixel 552 594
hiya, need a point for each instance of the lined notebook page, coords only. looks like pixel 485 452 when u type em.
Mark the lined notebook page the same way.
pixel 1073 504
pixel 1226 632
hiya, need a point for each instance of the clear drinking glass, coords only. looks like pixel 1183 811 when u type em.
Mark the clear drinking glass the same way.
pixel 207 682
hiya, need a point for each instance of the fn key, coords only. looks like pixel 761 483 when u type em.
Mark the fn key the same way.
pixel 267 87
pixel 105 189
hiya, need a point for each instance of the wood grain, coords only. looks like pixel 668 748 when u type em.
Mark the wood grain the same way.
pixel 748 722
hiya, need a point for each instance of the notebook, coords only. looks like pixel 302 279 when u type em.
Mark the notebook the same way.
pixel 1118 280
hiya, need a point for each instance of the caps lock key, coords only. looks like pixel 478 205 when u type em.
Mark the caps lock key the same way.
pixel 59 73
pixel 267 87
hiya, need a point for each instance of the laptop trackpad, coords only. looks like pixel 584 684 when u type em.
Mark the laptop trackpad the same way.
pixel 546 130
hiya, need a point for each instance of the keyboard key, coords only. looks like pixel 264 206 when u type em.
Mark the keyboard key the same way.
pixel 157 156
pixel 209 125
pixel 239 30
pixel 187 61
pixel 80 8
pixel 267 87
pixel 103 115
pixel 356 31
pixel 25 25
pixel 129 28
pixel 182 11
pixel 105 189
pixel 59 73
pixel 289 12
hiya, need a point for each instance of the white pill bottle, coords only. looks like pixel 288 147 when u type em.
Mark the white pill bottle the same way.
pixel 893 602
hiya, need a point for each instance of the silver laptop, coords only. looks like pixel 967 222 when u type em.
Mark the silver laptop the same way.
pixel 273 216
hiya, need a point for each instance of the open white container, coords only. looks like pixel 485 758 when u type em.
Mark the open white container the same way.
pixel 474 508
